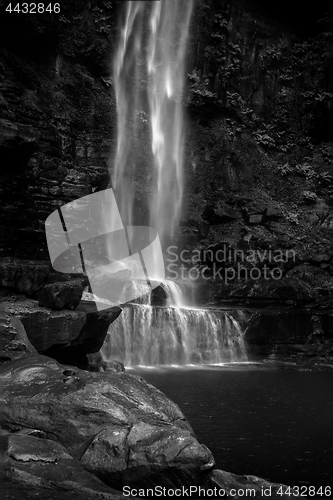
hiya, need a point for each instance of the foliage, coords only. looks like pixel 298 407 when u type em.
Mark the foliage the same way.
pixel 263 136
pixel 198 94
pixel 222 55
pixel 285 169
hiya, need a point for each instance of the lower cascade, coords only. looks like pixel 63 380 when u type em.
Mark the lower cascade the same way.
pixel 149 335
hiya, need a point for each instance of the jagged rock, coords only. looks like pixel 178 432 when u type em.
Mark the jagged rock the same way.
pixel 90 337
pixel 159 296
pixel 65 295
pixel 14 342
pixel 67 335
pixel 117 425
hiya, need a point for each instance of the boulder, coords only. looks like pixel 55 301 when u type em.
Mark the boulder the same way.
pixel 116 425
pixel 65 295
pixel 89 340
pixel 67 335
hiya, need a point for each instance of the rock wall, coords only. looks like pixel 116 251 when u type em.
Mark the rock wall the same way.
pixel 258 159
pixel 301 337
pixel 57 117
pixel 253 111
pixel 258 169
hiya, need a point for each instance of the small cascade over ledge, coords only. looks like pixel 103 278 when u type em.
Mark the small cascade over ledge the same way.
pixel 173 334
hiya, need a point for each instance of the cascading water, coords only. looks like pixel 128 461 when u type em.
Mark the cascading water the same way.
pixel 149 75
pixel 150 336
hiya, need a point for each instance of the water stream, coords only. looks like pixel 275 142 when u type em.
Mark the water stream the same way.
pixel 173 334
pixel 149 76
pixel 147 177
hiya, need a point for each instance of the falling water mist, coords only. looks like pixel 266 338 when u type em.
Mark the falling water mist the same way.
pixel 149 74
pixel 147 178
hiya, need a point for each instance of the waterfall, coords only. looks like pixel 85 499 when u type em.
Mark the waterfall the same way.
pixel 149 77
pixel 150 336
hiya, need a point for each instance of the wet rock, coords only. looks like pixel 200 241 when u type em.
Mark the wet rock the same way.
pixel 240 486
pixel 159 296
pixel 117 426
pixel 44 466
pixel 65 295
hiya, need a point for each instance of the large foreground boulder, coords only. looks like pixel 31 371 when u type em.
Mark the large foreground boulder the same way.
pixel 116 425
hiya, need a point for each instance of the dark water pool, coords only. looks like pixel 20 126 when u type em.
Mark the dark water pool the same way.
pixel 274 423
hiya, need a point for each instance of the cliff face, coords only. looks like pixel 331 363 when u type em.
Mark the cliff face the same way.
pixel 258 170
pixel 259 156
pixel 57 116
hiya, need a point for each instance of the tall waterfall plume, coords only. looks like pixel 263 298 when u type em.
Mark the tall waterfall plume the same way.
pixel 149 73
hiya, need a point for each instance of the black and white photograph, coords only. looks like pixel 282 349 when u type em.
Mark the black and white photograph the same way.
pixel 166 249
